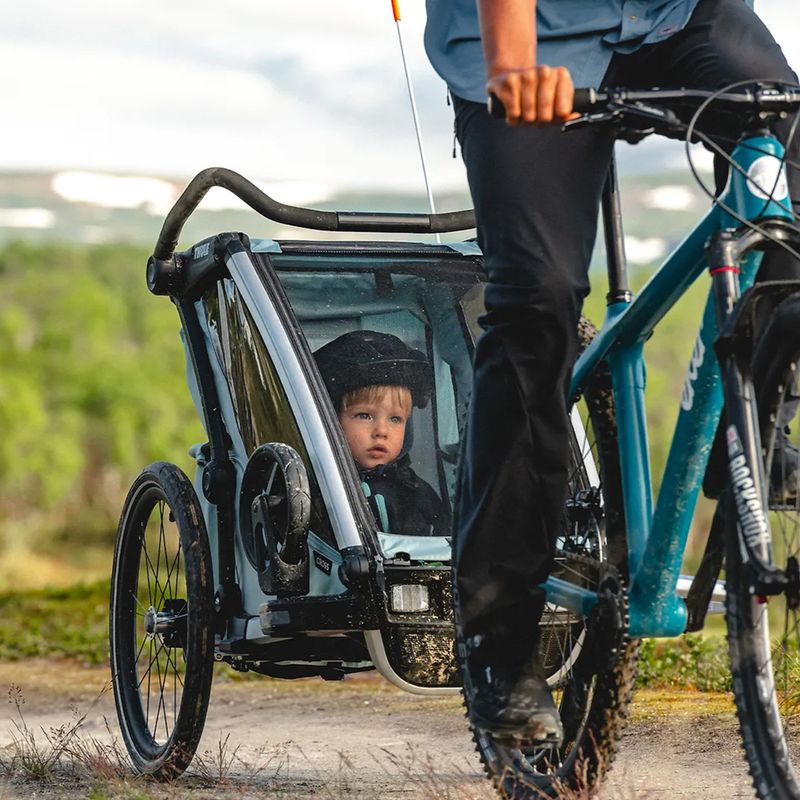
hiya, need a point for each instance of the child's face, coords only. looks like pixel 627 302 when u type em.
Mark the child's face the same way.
pixel 374 426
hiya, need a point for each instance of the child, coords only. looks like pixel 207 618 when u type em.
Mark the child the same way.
pixel 374 379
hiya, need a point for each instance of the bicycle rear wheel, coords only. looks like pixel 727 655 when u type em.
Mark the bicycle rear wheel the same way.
pixel 161 630
pixel 764 634
pixel 590 673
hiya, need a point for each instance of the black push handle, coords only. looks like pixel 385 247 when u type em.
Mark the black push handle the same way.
pixel 366 221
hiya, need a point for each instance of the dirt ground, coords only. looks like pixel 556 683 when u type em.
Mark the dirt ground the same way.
pixel 361 738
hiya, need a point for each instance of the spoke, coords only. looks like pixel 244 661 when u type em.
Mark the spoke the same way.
pixel 174 568
pixel 143 549
pixel 178 570
pixel 149 670
pixel 149 666
pixel 138 603
pixel 179 616
pixel 165 589
pixel 160 542
pixel 164 691
pixel 564 652
pixel 271 479
pixel 174 667
pixel 151 569
pixel 141 647
pixel 171 661
pixel 160 696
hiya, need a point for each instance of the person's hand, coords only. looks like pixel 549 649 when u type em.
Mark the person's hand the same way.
pixel 538 95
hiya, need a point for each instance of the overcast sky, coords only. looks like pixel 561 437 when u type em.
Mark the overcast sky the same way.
pixel 275 89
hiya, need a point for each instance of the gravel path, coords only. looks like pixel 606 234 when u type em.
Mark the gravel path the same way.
pixel 362 738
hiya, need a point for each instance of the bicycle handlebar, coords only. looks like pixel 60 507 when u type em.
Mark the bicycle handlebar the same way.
pixel 771 98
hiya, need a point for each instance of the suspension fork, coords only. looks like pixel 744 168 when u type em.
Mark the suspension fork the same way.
pixel 747 499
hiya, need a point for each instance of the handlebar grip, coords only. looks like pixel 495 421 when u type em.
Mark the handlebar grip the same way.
pixel 585 100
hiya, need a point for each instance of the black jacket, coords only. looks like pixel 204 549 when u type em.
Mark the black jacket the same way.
pixel 402 502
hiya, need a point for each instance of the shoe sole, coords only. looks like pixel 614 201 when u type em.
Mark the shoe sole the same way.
pixel 513 736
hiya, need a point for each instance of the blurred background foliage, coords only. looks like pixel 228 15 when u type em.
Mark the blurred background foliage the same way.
pixel 92 388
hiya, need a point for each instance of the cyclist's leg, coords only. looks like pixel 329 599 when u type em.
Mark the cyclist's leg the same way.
pixel 536 194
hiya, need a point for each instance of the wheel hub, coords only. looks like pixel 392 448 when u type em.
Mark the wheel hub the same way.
pixel 150 617
pixel 170 623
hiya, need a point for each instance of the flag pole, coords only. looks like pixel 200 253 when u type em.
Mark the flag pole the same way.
pixel 415 115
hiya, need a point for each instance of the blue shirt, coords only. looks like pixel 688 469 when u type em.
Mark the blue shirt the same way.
pixel 581 35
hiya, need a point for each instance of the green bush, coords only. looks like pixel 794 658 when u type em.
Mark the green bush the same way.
pixel 691 662
pixel 93 387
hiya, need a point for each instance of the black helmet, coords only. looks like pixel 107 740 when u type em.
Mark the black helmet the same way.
pixel 369 358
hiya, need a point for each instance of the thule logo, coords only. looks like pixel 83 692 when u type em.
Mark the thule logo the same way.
pixel 201 250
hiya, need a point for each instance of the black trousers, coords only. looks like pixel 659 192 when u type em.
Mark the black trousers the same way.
pixel 536 193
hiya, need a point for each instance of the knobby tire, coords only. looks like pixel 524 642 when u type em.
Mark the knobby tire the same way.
pixel 594 696
pixel 764 636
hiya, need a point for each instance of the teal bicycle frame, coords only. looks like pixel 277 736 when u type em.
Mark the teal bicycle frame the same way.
pixel 657 535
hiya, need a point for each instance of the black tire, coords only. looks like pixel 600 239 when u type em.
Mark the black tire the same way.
pixel 161 622
pixel 278 471
pixel 764 637
pixel 592 684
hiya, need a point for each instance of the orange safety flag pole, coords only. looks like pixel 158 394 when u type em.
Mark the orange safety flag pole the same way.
pixel 431 204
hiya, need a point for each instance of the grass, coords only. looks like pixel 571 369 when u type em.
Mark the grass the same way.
pixel 680 705
pixel 678 677
pixel 54 623
pixel 73 623
pixel 71 765
pixel 65 762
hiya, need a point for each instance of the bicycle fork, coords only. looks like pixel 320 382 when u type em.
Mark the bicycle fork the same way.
pixel 748 497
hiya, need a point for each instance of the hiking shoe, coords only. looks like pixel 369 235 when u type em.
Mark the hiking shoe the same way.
pixel 784 478
pixel 507 694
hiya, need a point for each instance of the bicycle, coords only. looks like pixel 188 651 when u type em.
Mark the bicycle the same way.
pixel 755 389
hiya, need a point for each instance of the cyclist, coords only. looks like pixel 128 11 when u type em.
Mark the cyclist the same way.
pixel 374 379
pixel 536 192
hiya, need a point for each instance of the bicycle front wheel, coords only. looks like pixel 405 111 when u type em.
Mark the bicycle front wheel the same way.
pixel 161 630
pixel 763 633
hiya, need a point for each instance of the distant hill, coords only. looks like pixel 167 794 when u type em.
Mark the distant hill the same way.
pixel 91 207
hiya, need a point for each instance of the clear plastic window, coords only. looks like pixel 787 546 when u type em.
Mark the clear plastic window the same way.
pixel 425 314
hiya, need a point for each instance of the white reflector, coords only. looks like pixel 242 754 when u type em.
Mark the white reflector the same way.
pixel 409 597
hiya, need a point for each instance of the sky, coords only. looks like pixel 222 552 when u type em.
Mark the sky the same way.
pixel 306 91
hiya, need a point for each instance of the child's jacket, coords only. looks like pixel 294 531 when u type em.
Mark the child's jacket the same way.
pixel 402 502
